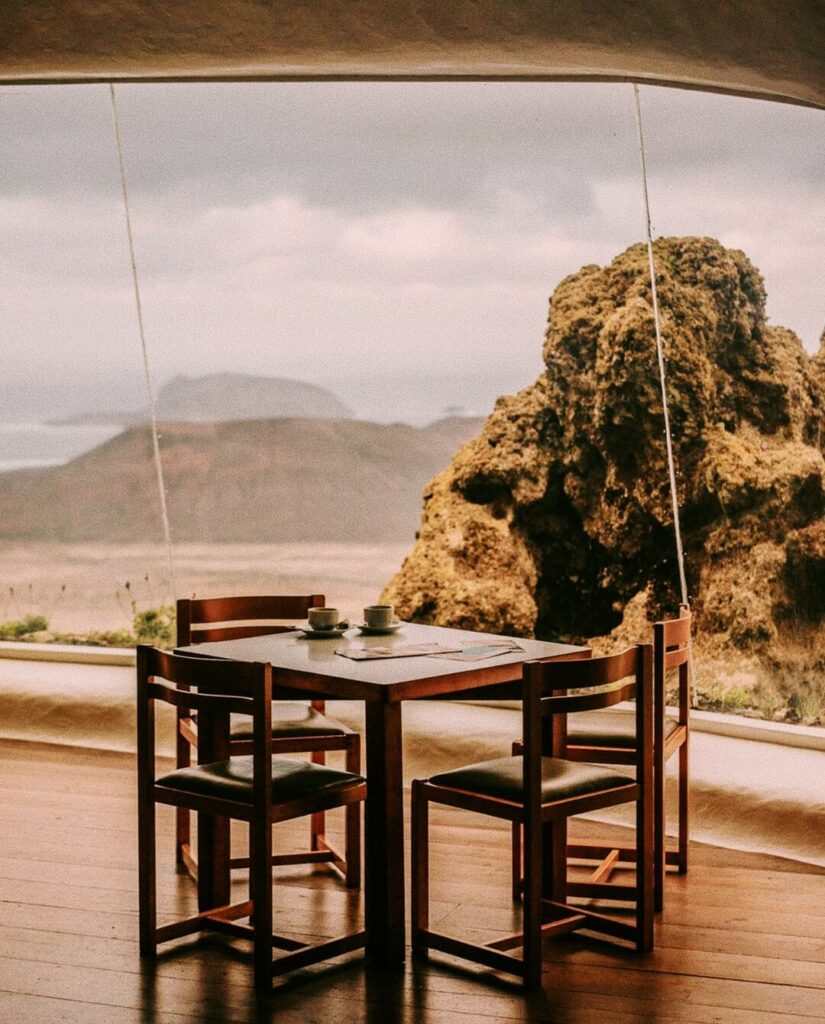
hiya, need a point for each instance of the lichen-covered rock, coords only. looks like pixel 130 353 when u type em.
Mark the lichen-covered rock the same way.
pixel 556 520
pixel 804 571
pixel 470 565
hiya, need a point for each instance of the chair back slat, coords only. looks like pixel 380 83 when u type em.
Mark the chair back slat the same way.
pixel 580 673
pixel 211 634
pixel 213 675
pixel 220 687
pixel 232 618
pixel 190 700
pixel 569 704
pixel 673 659
pixel 676 632
pixel 671 650
pixel 212 619
pixel 671 641
pixel 544 718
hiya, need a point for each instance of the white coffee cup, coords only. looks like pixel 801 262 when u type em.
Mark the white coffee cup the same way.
pixel 379 616
pixel 323 618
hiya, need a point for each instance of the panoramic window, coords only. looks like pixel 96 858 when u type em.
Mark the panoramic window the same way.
pixel 359 388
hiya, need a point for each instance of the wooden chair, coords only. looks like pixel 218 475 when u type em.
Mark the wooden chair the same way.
pixel 296 727
pixel 254 788
pixel 540 793
pixel 608 738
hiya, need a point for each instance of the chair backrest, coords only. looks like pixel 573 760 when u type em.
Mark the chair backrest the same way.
pixel 202 620
pixel 215 688
pixel 609 680
pixel 671 650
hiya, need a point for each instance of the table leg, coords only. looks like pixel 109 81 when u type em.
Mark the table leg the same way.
pixel 384 839
pixel 213 861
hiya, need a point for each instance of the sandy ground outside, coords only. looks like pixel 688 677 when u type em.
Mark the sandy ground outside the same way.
pixel 80 587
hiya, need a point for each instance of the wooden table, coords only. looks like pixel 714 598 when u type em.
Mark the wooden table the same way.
pixel 310 668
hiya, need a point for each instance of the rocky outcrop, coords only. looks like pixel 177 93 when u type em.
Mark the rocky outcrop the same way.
pixel 556 519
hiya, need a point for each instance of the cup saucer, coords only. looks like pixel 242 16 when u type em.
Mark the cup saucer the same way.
pixel 378 630
pixel 324 634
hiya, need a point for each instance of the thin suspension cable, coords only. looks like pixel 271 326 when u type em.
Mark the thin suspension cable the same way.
pixel 150 391
pixel 671 464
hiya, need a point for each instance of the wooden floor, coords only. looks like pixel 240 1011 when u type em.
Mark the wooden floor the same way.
pixel 742 938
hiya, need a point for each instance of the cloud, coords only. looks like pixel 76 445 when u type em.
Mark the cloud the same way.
pixel 313 229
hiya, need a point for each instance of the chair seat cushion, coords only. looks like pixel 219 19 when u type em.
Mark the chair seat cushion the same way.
pixel 502 779
pixel 289 719
pixel 612 728
pixel 232 780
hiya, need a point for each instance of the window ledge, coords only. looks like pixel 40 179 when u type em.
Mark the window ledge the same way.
pixel 67 653
pixel 805 736
pixel 811 737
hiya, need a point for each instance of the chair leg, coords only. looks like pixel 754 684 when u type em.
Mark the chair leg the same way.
pixel 147 883
pixel 645 896
pixel 183 830
pixel 554 861
pixel 260 889
pixel 317 826
pixel 419 869
pixel 214 883
pixel 554 865
pixel 684 820
pixel 352 845
pixel 517 852
pixel 659 839
pixel 518 866
pixel 534 870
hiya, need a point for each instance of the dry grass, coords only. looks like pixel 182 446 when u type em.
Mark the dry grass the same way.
pixel 783 682
pixel 82 587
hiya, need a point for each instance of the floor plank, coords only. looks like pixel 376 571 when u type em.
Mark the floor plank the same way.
pixel 741 940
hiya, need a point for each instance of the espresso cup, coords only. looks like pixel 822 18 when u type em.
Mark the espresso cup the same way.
pixel 323 618
pixel 379 616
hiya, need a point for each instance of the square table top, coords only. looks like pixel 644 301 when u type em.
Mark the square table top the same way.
pixel 311 666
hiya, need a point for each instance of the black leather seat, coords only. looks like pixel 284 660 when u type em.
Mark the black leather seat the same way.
pixel 232 780
pixel 503 779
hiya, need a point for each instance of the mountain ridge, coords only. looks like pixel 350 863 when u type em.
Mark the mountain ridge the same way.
pixel 282 479
pixel 229 396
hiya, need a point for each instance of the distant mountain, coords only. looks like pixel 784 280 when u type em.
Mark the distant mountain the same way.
pixel 265 480
pixel 232 396
pixel 238 396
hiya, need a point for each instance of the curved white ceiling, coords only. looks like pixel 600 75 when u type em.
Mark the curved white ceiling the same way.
pixel 764 48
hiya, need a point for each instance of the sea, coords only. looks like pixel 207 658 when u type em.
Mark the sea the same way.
pixel 38 445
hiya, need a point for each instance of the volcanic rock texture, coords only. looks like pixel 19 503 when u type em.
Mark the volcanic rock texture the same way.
pixel 556 520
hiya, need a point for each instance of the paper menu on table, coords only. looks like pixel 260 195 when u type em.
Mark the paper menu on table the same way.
pixel 396 651
pixel 456 652
pixel 482 651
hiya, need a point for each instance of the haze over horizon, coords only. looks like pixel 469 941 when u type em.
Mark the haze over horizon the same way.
pixel 417 400
pixel 393 242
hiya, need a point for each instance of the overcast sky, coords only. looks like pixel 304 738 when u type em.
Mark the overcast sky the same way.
pixel 396 242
